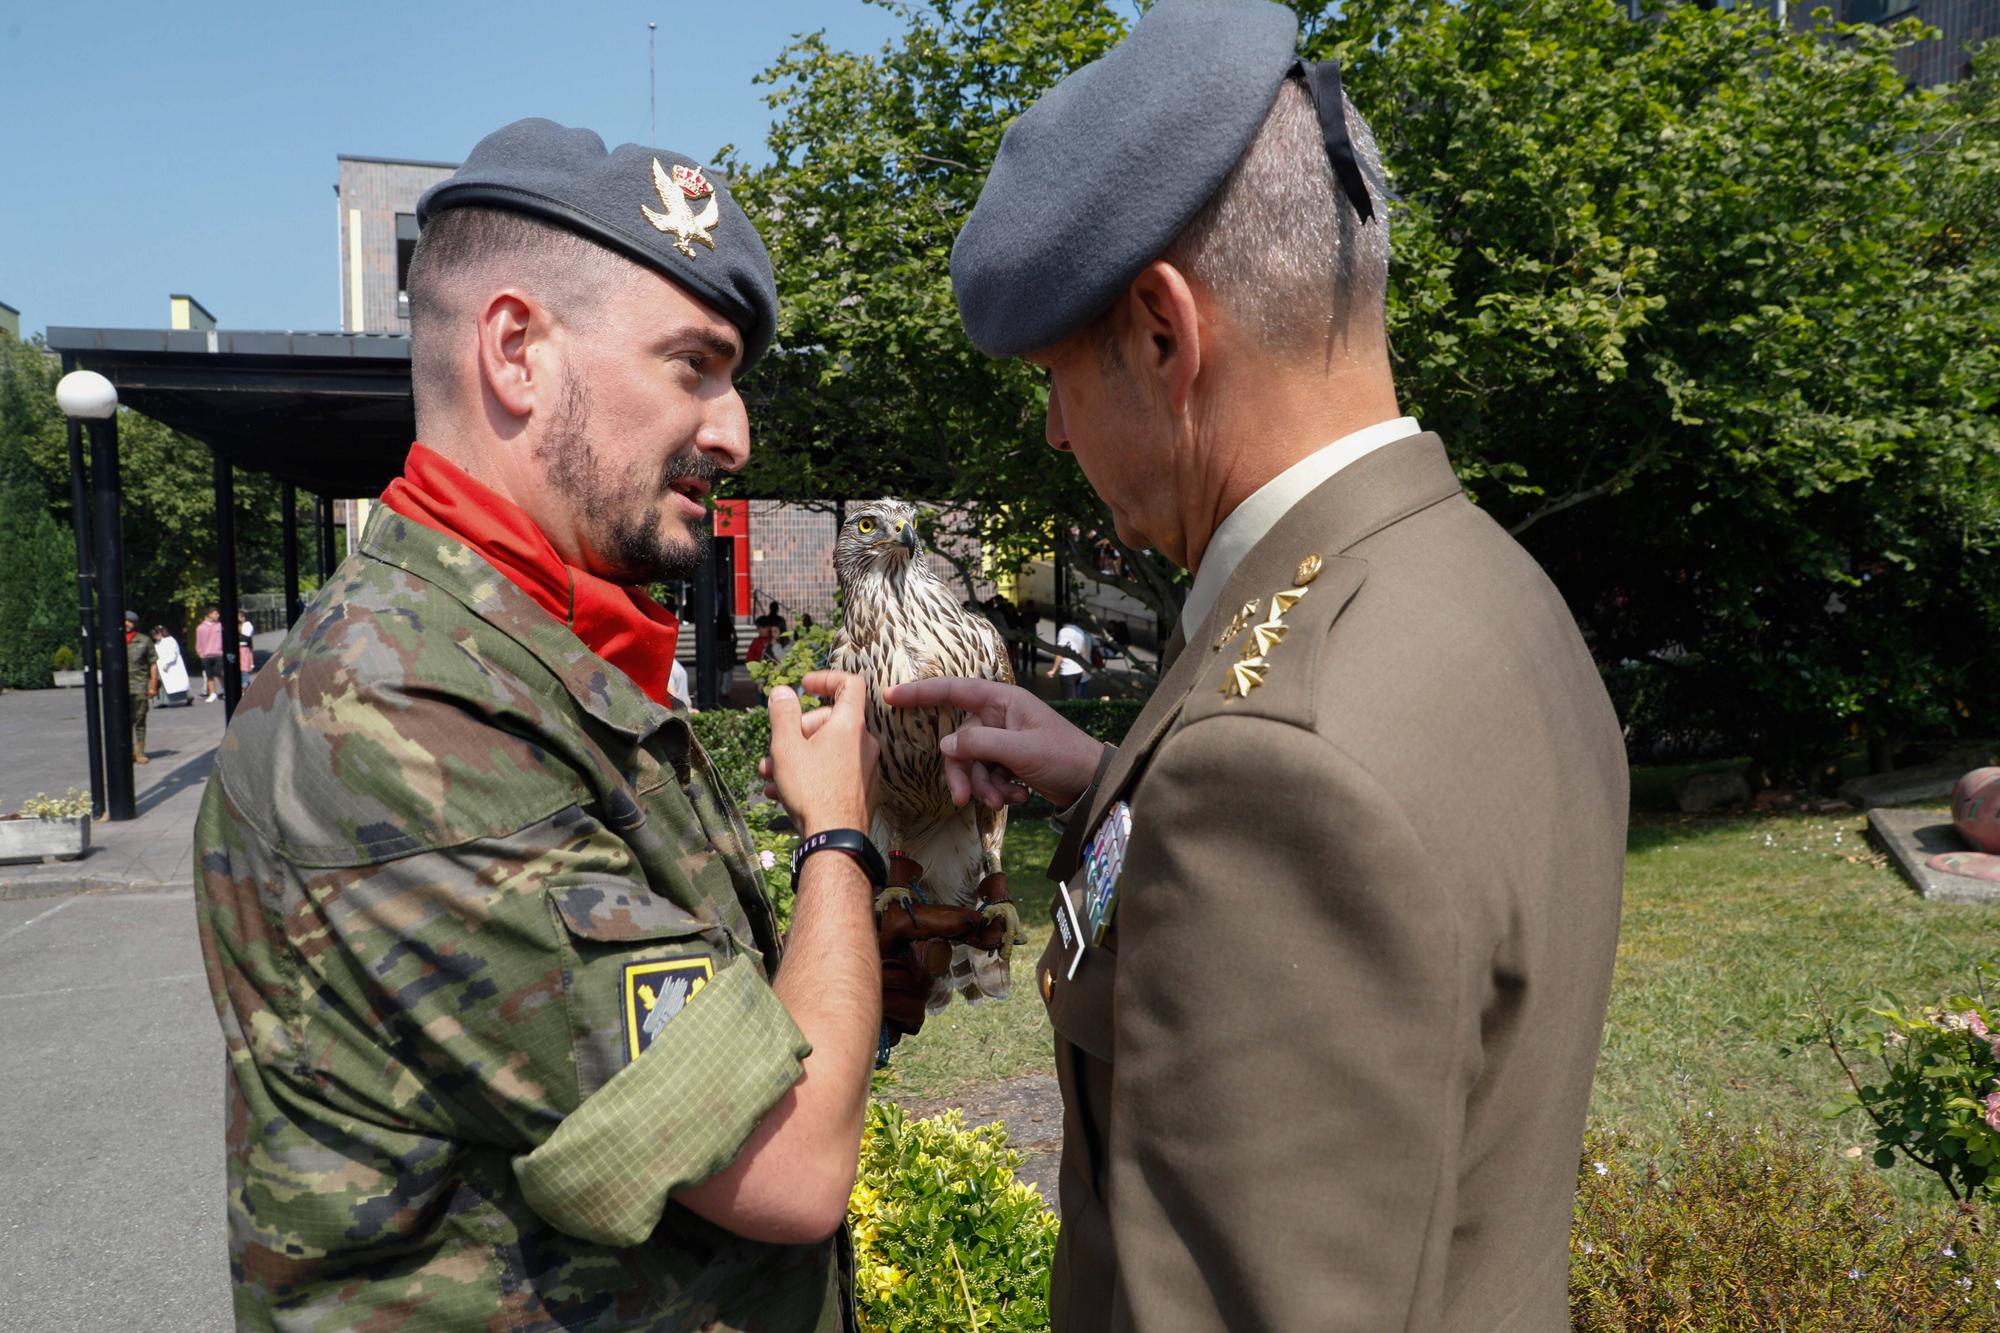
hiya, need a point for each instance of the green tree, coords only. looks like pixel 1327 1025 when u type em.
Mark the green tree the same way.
pixel 877 160
pixel 169 507
pixel 1705 310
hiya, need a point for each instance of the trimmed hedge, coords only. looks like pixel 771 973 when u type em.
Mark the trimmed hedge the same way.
pixel 1105 719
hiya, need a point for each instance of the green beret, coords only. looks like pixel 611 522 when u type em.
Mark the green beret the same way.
pixel 659 208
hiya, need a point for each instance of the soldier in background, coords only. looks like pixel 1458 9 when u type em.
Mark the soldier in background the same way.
pixel 512 1038
pixel 142 681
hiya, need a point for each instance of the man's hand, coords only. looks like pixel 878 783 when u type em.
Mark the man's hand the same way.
pixel 1011 739
pixel 822 765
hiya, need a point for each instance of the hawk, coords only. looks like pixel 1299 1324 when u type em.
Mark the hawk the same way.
pixel 899 623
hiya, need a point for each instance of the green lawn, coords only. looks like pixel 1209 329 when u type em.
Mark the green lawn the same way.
pixel 1729 923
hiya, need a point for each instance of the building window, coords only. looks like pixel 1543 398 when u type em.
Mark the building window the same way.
pixel 1878 11
pixel 406 245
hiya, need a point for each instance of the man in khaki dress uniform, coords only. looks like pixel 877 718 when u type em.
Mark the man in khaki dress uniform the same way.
pixel 1338 918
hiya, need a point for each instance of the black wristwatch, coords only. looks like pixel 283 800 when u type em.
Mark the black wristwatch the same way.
pixel 852 841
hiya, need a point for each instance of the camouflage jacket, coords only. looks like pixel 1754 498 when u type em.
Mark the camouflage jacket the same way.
pixel 491 961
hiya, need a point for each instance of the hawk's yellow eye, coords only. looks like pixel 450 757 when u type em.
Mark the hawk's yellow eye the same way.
pixel 864 525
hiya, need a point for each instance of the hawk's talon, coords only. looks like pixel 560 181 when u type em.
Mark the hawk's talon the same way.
pixel 1005 911
pixel 896 895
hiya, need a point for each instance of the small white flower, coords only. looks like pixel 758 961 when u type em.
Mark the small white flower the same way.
pixel 766 860
pixel 1600 1168
pixel 1588 1248
pixel 1854 1275
pixel 1948 1252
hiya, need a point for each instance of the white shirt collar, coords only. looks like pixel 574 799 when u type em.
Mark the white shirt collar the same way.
pixel 1247 524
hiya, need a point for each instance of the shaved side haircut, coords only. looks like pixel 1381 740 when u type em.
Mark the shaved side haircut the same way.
pixel 463 256
pixel 1281 247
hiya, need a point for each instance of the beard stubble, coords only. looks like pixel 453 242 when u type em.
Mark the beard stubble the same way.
pixel 621 509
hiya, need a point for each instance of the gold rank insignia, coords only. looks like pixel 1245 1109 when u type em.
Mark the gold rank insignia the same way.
pixel 655 992
pixel 680 221
pixel 1236 624
pixel 1248 671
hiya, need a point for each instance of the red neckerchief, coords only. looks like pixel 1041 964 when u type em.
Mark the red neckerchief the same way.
pixel 620 624
pixel 131 634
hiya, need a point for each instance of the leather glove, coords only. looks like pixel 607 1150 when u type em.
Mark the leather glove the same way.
pixel 915 941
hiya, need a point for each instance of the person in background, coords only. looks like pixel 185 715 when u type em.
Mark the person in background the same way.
pixel 208 647
pixel 805 622
pixel 245 654
pixel 1075 639
pixel 767 638
pixel 172 668
pixel 142 681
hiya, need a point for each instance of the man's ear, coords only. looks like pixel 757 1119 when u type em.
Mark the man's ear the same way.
pixel 1166 323
pixel 509 325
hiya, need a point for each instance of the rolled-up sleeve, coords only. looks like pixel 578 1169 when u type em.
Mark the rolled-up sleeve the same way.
pixel 670 1119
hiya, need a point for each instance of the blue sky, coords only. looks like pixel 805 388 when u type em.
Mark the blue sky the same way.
pixel 153 148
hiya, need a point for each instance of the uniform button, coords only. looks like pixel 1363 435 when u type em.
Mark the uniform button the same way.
pixel 1048 984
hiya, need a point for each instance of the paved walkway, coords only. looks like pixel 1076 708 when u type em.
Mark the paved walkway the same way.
pixel 42 735
pixel 111 1122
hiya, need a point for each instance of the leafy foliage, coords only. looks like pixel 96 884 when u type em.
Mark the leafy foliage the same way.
pixel 735 739
pixel 774 856
pixel 808 651
pixel 67 806
pixel 1930 1080
pixel 1706 310
pixel 1103 719
pixel 877 160
pixel 1732 1231
pixel 945 1236
pixel 169 506
pixel 37 585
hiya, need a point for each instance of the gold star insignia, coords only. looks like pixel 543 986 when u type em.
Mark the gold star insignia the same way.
pixel 1265 637
pixel 1308 570
pixel 1243 677
pixel 1282 602
pixel 1236 623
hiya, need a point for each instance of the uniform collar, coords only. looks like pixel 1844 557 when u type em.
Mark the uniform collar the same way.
pixel 1247 524
pixel 601 689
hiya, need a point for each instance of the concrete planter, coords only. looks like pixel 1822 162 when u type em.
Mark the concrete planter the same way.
pixel 23 838
pixel 69 680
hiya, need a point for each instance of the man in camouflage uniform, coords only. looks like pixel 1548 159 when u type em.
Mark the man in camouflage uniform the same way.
pixel 142 681
pixel 508 1042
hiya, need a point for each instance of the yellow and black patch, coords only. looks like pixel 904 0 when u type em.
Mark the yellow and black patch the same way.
pixel 655 992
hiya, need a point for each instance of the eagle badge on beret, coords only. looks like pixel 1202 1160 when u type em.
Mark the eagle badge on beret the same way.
pixel 680 221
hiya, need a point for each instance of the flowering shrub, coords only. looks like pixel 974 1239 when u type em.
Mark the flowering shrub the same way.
pixel 1763 1230
pixel 67 806
pixel 774 856
pixel 945 1237
pixel 1930 1080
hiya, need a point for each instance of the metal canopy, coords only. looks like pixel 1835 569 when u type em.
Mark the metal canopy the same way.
pixel 328 412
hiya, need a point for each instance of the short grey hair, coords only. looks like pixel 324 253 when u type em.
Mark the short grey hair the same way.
pixel 464 252
pixel 1282 247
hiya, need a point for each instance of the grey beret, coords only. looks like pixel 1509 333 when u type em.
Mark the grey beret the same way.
pixel 659 208
pixel 1095 180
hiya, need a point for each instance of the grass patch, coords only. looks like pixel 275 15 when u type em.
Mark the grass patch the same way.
pixel 1729 923
pixel 968 1044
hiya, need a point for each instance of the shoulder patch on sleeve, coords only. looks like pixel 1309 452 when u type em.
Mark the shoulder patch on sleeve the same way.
pixel 1264 663
pixel 655 992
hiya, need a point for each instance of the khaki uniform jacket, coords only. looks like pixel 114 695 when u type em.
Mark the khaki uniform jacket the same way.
pixel 491 960
pixel 1330 1069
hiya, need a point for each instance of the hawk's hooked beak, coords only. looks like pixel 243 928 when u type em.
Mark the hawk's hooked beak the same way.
pixel 906 533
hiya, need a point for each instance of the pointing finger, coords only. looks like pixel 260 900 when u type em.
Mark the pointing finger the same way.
pixel 1015 751
pixel 987 699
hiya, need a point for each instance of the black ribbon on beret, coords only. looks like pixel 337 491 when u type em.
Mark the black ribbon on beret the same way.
pixel 1322 80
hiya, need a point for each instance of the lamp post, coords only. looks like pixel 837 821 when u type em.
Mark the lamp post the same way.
pixel 86 396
